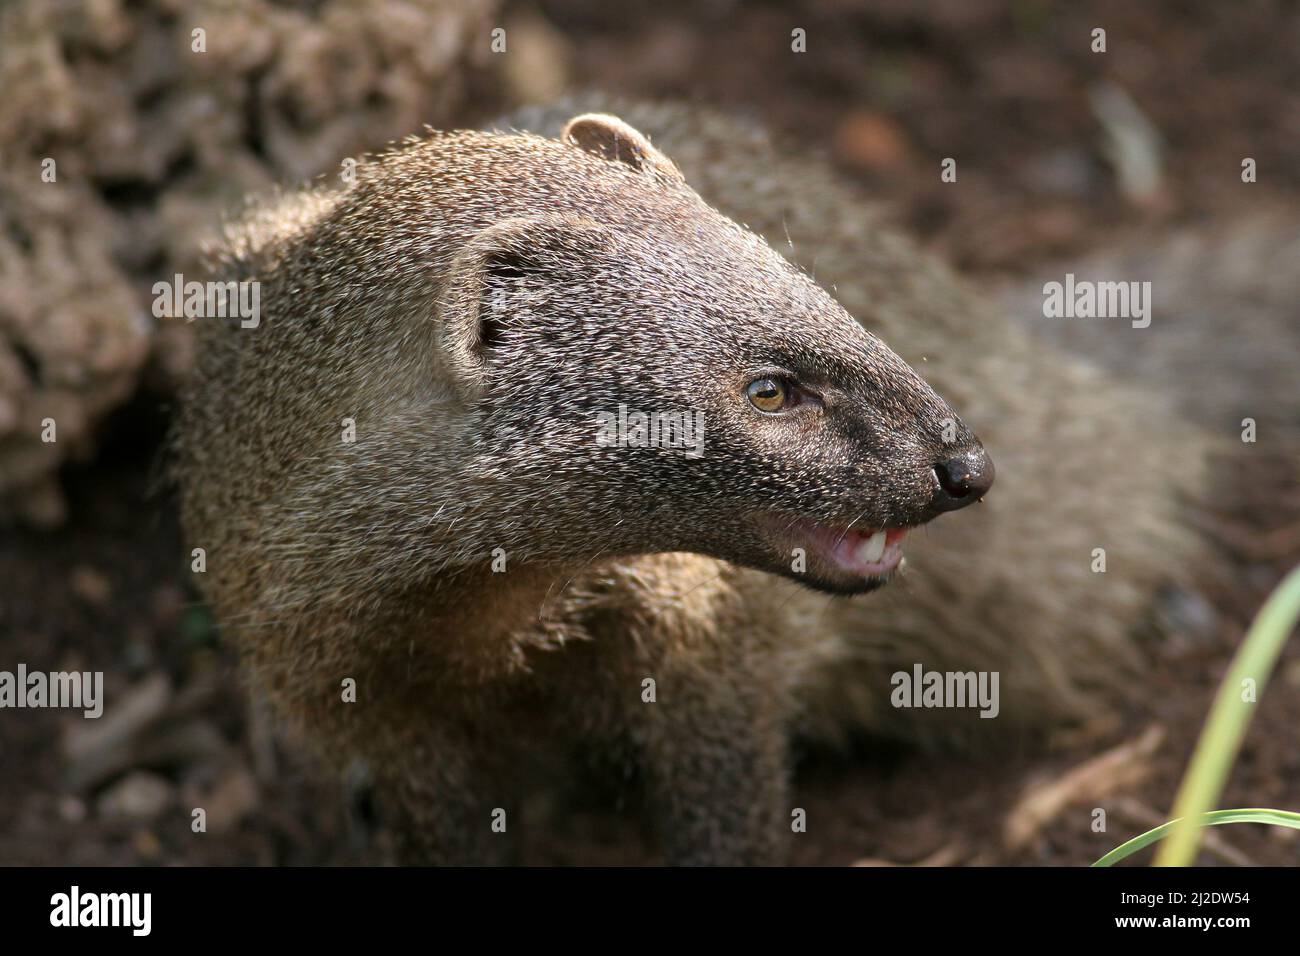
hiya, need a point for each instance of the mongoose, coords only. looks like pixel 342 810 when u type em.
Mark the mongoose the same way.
pixel 1088 463
pixel 398 481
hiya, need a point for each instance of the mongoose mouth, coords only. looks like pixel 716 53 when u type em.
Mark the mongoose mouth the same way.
pixel 867 553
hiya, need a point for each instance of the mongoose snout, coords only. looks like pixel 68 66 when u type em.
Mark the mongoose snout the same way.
pixel 859 450
pixel 857 556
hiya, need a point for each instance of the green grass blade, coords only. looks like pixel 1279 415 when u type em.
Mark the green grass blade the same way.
pixel 1216 751
pixel 1280 818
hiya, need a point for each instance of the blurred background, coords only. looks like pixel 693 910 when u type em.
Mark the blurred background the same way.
pixel 1064 153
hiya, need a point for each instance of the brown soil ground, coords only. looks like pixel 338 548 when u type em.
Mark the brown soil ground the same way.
pixel 1003 86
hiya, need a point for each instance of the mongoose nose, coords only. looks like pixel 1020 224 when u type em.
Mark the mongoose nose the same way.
pixel 963 480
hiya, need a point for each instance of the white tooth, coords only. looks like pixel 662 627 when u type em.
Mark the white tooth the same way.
pixel 873 548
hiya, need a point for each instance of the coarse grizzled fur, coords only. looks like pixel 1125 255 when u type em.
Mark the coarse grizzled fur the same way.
pixel 470 304
pixel 469 307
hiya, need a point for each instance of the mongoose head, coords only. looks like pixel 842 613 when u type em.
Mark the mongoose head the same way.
pixel 600 364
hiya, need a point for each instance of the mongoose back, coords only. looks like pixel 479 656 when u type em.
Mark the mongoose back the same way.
pixel 416 479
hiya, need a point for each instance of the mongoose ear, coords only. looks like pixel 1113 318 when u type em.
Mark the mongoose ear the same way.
pixel 610 138
pixel 486 288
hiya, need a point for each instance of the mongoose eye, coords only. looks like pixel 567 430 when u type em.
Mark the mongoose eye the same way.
pixel 769 394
